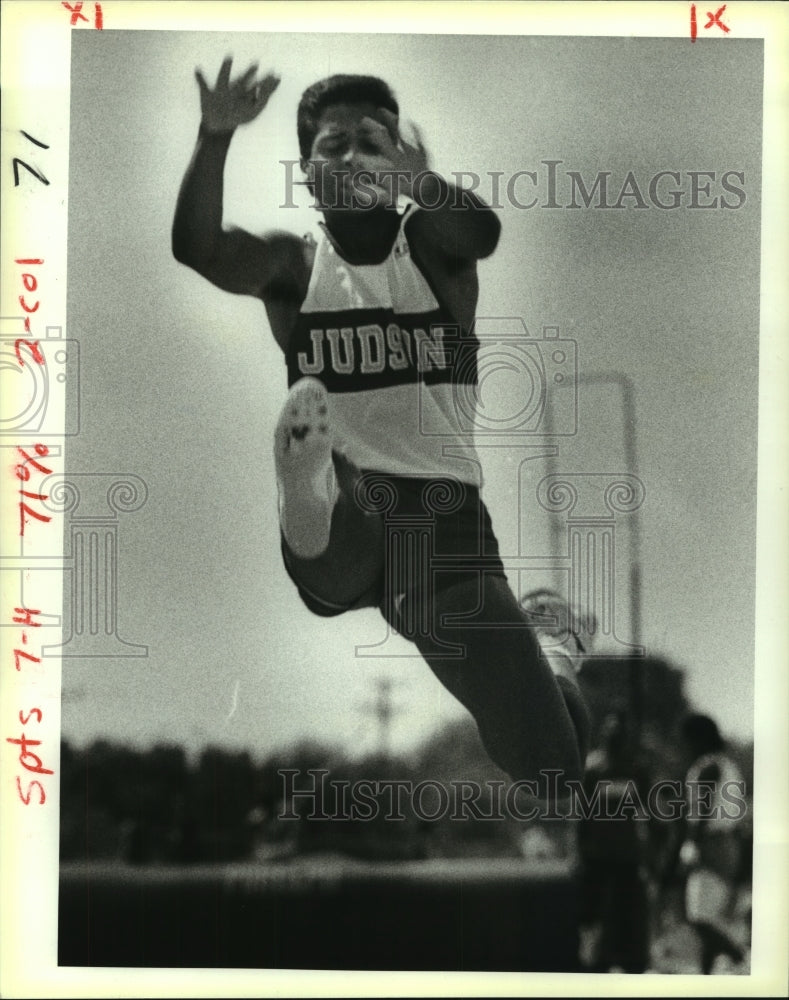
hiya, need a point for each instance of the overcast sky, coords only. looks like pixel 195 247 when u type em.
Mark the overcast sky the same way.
pixel 182 384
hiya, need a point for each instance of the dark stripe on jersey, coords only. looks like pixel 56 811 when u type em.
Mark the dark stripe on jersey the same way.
pixel 356 350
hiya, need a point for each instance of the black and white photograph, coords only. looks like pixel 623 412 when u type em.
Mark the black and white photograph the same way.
pixel 419 391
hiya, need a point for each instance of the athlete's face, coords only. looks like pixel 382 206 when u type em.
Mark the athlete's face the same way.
pixel 346 153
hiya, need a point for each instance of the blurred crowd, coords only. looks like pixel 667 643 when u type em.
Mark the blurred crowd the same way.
pixel 661 859
pixel 666 894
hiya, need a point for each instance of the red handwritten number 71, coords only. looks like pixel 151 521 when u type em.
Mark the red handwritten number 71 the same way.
pixel 77 15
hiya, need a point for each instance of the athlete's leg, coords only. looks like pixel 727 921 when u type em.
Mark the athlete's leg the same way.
pixel 502 679
pixel 332 549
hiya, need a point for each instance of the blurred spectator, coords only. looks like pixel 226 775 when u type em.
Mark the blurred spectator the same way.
pixel 712 849
pixel 614 848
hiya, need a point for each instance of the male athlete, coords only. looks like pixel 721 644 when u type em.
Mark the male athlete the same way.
pixel 375 325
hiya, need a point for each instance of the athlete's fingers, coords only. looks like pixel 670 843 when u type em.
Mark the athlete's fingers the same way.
pixel 392 123
pixel 266 87
pixel 378 132
pixel 223 77
pixel 245 78
pixel 201 82
pixel 417 133
pixel 373 125
pixel 261 93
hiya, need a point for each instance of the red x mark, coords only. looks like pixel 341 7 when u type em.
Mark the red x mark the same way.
pixel 716 19
pixel 76 14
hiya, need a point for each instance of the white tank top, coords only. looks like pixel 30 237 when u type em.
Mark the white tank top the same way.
pixel 400 372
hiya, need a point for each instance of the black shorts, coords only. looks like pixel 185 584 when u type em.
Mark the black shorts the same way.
pixel 437 533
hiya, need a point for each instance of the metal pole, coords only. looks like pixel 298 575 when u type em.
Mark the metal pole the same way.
pixel 625 384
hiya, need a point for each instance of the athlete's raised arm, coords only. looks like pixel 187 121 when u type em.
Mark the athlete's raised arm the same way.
pixel 455 222
pixel 231 258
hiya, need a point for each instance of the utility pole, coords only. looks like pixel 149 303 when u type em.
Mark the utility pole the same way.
pixel 384 709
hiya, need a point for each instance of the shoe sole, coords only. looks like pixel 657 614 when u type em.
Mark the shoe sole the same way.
pixel 305 472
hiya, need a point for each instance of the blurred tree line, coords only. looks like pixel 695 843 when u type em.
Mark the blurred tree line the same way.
pixel 155 806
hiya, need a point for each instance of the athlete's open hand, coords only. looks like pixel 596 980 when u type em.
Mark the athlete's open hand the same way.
pixel 229 105
pixel 391 151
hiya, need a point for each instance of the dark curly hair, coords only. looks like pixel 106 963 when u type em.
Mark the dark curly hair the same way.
pixel 341 88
